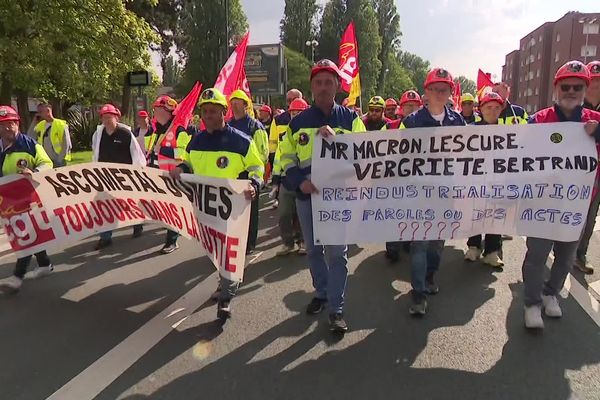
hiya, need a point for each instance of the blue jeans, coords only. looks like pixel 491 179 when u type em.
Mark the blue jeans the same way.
pixel 328 264
pixel 425 257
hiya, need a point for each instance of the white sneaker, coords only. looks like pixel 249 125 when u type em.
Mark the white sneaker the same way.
pixel 533 317
pixel 12 284
pixel 302 249
pixel 551 306
pixel 493 259
pixel 275 204
pixel 39 272
pixel 473 254
pixel 285 250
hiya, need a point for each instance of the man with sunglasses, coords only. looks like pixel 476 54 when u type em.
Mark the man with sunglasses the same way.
pixel 570 83
pixel 167 150
pixel 375 120
pixel 425 256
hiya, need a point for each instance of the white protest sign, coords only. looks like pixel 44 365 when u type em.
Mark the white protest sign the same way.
pixel 453 182
pixel 69 204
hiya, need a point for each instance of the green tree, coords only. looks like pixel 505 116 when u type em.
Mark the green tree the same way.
pixel 299 24
pixel 171 72
pixel 467 85
pixel 70 50
pixel 416 67
pixel 298 71
pixel 397 79
pixel 204 46
pixel 389 31
pixel 336 16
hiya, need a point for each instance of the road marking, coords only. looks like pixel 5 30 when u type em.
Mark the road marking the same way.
pixel 595 287
pixel 597 225
pixel 98 376
pixel 585 299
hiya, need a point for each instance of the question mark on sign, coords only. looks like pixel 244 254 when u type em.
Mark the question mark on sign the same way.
pixel 441 226
pixel 402 226
pixel 415 226
pixel 428 226
pixel 454 225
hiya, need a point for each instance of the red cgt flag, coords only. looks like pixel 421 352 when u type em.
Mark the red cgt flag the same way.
pixel 233 73
pixel 348 57
pixel 484 82
pixel 456 96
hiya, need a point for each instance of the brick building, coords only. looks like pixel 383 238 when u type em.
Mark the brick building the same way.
pixel 530 69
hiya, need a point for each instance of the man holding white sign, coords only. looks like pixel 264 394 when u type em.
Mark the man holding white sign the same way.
pixel 570 83
pixel 328 264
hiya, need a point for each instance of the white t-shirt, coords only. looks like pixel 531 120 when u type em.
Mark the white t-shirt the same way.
pixel 439 117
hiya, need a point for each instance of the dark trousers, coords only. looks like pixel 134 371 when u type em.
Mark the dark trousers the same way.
pixel 492 243
pixel 172 237
pixel 22 263
pixel 253 228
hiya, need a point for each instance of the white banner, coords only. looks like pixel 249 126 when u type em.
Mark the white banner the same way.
pixel 453 182
pixel 64 205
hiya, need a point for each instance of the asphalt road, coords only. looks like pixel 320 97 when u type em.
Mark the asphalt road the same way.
pixel 128 323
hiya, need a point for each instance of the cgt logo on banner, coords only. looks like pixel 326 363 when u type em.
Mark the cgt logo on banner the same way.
pixel 453 182
pixel 58 207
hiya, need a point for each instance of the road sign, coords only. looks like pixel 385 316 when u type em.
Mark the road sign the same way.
pixel 265 69
pixel 138 78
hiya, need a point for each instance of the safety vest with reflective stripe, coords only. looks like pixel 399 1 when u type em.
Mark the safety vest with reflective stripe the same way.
pixel 57 135
pixel 255 129
pixel 278 128
pixel 172 146
pixel 297 146
pixel 25 152
pixel 228 153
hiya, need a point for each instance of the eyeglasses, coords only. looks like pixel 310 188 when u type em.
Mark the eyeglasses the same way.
pixel 567 88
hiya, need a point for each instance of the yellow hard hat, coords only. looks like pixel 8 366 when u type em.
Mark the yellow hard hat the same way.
pixel 467 97
pixel 377 101
pixel 240 95
pixel 214 96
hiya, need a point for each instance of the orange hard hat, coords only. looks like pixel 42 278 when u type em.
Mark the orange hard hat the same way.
pixel 439 75
pixel 109 109
pixel 489 97
pixel 7 113
pixel 166 102
pixel 408 96
pixel 594 69
pixel 298 105
pixel 573 69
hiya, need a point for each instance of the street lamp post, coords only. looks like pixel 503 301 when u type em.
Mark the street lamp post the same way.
pixel 587 34
pixel 313 45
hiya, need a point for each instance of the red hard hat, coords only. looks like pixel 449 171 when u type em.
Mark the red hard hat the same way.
pixel 391 103
pixel 573 69
pixel 7 113
pixel 166 102
pixel 489 97
pixel 298 105
pixel 143 114
pixel 266 108
pixel 109 109
pixel 325 65
pixel 439 75
pixel 408 96
pixel 594 68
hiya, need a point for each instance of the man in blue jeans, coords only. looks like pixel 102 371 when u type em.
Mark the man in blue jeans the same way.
pixel 425 256
pixel 328 264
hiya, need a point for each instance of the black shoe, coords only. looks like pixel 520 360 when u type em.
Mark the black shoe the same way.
pixel 249 250
pixel 418 305
pixel 337 323
pixel 432 287
pixel 316 306
pixel 137 232
pixel 102 244
pixel 169 248
pixel 223 310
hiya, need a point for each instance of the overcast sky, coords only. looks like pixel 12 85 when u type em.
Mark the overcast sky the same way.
pixel 460 35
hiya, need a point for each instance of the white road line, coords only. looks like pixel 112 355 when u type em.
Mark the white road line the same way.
pixel 597 225
pixel 585 299
pixel 95 378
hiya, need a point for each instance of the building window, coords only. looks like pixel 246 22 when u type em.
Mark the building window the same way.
pixel 532 42
pixel 556 57
pixel 529 92
pixel 539 55
pixel 591 29
pixel 531 58
pixel 537 73
pixel 558 37
pixel 520 79
pixel 537 91
pixel 530 75
pixel 589 50
pixel 540 39
pixel 510 75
